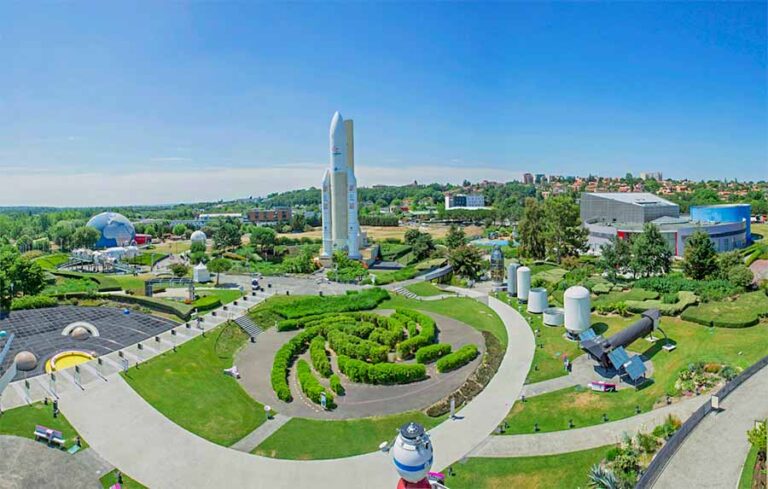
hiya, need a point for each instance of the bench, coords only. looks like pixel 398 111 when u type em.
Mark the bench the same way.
pixel 49 435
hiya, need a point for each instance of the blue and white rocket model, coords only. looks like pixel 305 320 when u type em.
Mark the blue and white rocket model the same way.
pixel 341 229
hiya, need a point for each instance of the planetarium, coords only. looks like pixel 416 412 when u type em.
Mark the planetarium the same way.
pixel 114 230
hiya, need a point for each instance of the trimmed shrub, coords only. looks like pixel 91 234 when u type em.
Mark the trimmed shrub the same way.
pixel 336 385
pixel 741 313
pixel 457 359
pixel 380 373
pixel 319 356
pixel 683 299
pixel 283 360
pixel 206 303
pixel 354 347
pixel 431 353
pixel 33 302
pixel 310 386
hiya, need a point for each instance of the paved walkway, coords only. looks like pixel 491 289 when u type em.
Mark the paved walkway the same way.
pixel 714 453
pixel 583 438
pixel 26 463
pixel 132 435
pixel 254 438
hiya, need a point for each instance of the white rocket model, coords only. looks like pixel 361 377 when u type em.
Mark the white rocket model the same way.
pixel 341 229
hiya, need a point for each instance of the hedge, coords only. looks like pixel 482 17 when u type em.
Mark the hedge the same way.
pixel 206 303
pixel 457 359
pixel 179 309
pixel 336 385
pixel 311 387
pixel 364 300
pixel 33 302
pixel 428 354
pixel 381 373
pixel 684 299
pixel 283 360
pixel 354 347
pixel 427 334
pixel 741 313
pixel 319 356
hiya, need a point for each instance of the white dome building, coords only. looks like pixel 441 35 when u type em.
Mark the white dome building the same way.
pixel 198 237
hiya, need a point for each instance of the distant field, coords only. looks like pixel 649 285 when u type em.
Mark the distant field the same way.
pixel 384 232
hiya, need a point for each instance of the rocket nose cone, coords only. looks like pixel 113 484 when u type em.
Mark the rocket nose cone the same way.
pixel 336 122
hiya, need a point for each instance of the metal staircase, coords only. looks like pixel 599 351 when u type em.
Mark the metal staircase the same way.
pixel 248 326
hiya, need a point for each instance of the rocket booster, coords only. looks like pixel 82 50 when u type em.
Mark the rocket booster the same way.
pixel 326 213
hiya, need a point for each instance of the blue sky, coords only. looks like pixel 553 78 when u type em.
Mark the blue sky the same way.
pixel 171 101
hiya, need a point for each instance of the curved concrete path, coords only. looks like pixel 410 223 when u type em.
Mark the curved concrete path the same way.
pixel 132 435
pixel 583 438
pixel 713 455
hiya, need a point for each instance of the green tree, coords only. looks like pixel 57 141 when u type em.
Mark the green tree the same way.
pixel 18 276
pixel 227 234
pixel 61 233
pixel 455 237
pixel 179 269
pixel 179 229
pixel 530 231
pixel 218 266
pixel 740 276
pixel 84 237
pixel 615 257
pixel 650 253
pixel 467 261
pixel 263 238
pixel 197 247
pixel 700 259
pixel 422 246
pixel 564 233
pixel 757 436
pixel 24 243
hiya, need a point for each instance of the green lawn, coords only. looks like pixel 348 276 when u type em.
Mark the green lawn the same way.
pixel 548 359
pixel 470 311
pixel 148 258
pixel 312 439
pixel 552 276
pixel 628 295
pixel 21 421
pixel 109 479
pixel 564 471
pixel 71 285
pixel 132 283
pixel 425 289
pixel 225 295
pixel 736 347
pixel 744 311
pixel 748 472
pixel 189 388
pixel 50 262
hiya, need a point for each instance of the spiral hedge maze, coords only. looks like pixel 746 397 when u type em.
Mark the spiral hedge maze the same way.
pixel 369 348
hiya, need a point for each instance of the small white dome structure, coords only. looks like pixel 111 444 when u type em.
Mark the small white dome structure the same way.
pixel 537 300
pixel 200 273
pixel 412 453
pixel 578 308
pixel 553 316
pixel 523 283
pixel 25 361
pixel 198 237
pixel 512 279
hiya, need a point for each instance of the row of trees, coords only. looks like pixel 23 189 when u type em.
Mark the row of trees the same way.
pixel 701 262
pixel 643 255
pixel 551 229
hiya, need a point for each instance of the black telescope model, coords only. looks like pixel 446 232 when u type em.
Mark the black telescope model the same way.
pixel 610 352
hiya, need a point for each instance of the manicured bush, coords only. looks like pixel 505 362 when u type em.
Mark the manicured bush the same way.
pixel 319 357
pixel 206 303
pixel 365 300
pixel 707 290
pixel 457 359
pixel 336 385
pixel 683 299
pixel 380 373
pixel 283 360
pixel 431 353
pixel 310 386
pixel 354 347
pixel 33 302
pixel 740 313
pixel 407 348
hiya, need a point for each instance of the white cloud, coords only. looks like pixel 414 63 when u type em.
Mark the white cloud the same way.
pixel 159 186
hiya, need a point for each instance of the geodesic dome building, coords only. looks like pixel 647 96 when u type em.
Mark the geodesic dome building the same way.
pixel 198 237
pixel 114 230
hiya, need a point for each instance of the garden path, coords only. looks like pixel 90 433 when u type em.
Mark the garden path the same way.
pixel 132 435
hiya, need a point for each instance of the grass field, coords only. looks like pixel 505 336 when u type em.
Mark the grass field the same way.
pixel 148 258
pixel 628 295
pixel 761 229
pixel 169 247
pixel 736 347
pixel 50 262
pixel 748 472
pixel 133 283
pixel 225 295
pixel 425 289
pixel 109 479
pixel 71 285
pixel 564 471
pixel 744 311
pixel 469 311
pixel 188 387
pixel 311 439
pixel 548 359
pixel 380 233
pixel 21 421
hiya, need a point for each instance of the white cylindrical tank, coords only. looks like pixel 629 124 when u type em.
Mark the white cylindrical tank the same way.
pixel 537 300
pixel 577 310
pixel 553 316
pixel 512 279
pixel 523 283
pixel 412 453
